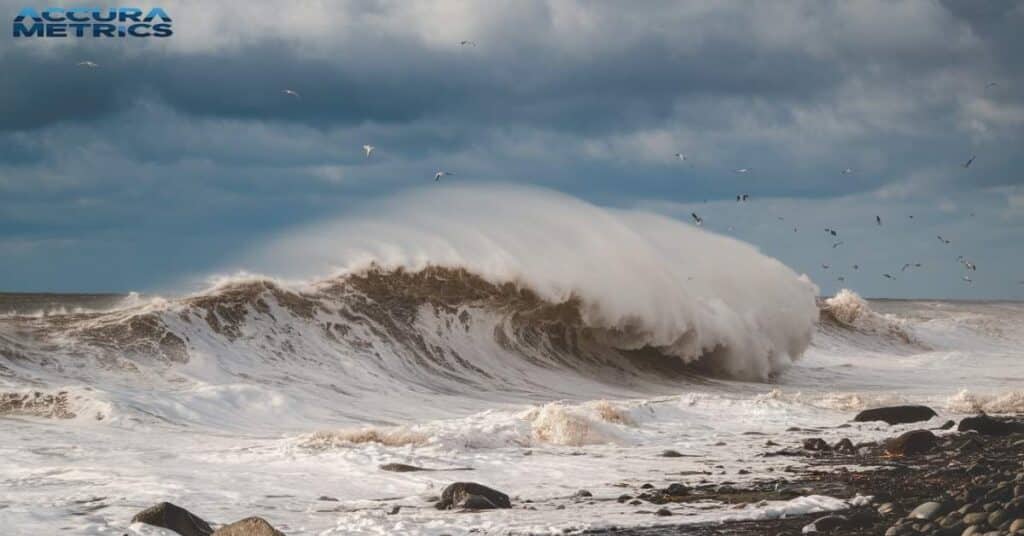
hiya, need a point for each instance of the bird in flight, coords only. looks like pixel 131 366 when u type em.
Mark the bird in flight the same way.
pixel 847 171
pixel 967 264
pixel 831 231
pixel 368 150
pixel 910 265
pixel 970 161
pixel 837 244
pixel 89 64
pixel 291 93
pixel 697 219
pixel 743 170
pixel 742 198
pixel 681 156
pixel 888 276
pixel 990 84
pixel 840 279
pixel 856 267
pixel 878 220
pixel 824 267
pixel 943 240
pixel 439 174
pixel 467 42
pixel 967 279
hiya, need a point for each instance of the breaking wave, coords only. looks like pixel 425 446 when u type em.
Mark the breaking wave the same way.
pixel 456 290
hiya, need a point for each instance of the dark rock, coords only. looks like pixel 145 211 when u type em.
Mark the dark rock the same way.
pixel 456 493
pixel 845 446
pixel 896 414
pixel 475 502
pixel 647 485
pixel 663 512
pixel 326 498
pixel 624 498
pixel 395 509
pixel 671 454
pixel 250 526
pixel 910 443
pixel 583 493
pixel 401 468
pixel 985 425
pixel 947 425
pixel 816 443
pixel 826 524
pixel 172 517
pixel 677 490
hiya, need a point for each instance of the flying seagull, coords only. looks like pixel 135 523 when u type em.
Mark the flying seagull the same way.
pixel 743 170
pixel 824 266
pixel 697 219
pixel 837 244
pixel 291 93
pixel 967 264
pixel 967 279
pixel 742 197
pixel 910 265
pixel 970 161
pixel 681 156
pixel 990 84
pixel 878 220
pixel 847 171
pixel 831 231
pixel 368 150
pixel 855 267
pixel 439 174
pixel 943 240
pixel 888 276
pixel 89 64
pixel 840 278
pixel 467 42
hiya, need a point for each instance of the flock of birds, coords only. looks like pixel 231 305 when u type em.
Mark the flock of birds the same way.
pixel 967 265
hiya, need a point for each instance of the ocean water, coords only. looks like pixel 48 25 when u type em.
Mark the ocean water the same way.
pixel 564 352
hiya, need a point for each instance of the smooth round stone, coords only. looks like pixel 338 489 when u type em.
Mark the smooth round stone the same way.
pixel 928 510
pixel 997 518
pixel 976 518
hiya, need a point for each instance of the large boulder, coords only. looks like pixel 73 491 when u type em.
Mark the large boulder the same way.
pixel 250 526
pixel 173 517
pixel 469 495
pixel 985 425
pixel 896 414
pixel 910 443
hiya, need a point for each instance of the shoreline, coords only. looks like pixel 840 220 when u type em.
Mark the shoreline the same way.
pixel 960 482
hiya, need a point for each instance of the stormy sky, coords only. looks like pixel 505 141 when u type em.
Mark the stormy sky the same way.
pixel 176 155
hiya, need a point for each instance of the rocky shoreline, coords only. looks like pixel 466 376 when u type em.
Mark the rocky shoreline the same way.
pixel 963 482
pixel 968 482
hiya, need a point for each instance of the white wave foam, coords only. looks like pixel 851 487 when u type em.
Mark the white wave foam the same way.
pixel 968 402
pixel 650 280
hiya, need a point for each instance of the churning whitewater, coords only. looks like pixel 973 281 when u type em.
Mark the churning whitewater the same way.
pixel 542 342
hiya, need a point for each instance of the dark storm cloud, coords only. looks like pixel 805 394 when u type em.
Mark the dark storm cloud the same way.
pixel 192 136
